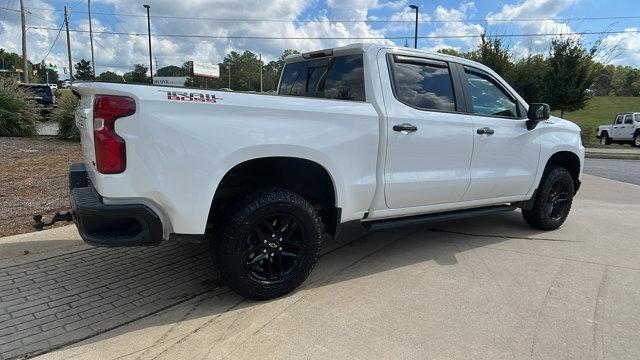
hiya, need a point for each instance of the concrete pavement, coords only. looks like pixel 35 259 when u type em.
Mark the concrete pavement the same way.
pixel 484 288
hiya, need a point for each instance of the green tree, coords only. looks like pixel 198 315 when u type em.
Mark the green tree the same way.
pixel 138 75
pixel 83 70
pixel 527 78
pixel 571 72
pixel 12 61
pixel 625 81
pixel 41 75
pixel 110 76
pixel 602 85
pixel 492 54
pixel 172 70
pixel 452 52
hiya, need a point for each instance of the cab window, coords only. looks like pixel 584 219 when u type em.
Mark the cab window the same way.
pixel 488 97
pixel 340 78
pixel 628 119
pixel 423 84
pixel 619 120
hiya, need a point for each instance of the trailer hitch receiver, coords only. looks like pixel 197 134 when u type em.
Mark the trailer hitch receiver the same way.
pixel 39 225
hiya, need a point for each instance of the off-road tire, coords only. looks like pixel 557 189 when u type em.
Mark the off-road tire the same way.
pixel 228 245
pixel 636 140
pixel 538 216
pixel 605 139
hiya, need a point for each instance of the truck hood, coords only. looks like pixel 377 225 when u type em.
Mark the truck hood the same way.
pixel 563 124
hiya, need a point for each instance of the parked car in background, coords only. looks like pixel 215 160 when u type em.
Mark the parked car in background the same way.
pixel 53 86
pixel 377 135
pixel 65 84
pixel 625 129
pixel 41 93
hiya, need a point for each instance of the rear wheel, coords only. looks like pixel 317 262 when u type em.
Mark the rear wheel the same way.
pixel 636 140
pixel 269 244
pixel 553 200
pixel 605 139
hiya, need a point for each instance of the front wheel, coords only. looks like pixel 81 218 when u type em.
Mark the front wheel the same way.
pixel 269 243
pixel 553 200
pixel 605 139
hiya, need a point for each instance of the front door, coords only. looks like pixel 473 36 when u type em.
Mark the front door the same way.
pixel 505 153
pixel 616 131
pixel 429 143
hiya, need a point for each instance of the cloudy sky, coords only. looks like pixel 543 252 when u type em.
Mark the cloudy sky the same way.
pixel 208 29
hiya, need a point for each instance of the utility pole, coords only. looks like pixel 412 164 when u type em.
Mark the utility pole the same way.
pixel 229 67
pixel 66 24
pixel 25 70
pixel 93 60
pixel 149 32
pixel 415 7
pixel 260 72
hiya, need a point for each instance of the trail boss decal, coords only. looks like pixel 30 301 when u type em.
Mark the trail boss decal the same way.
pixel 191 96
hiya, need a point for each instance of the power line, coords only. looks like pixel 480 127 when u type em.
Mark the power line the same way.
pixel 250 37
pixel 346 20
pixel 54 43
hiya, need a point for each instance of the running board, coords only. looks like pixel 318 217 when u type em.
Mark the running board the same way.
pixel 429 218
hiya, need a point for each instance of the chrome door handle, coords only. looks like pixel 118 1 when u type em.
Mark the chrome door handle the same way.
pixel 405 127
pixel 485 131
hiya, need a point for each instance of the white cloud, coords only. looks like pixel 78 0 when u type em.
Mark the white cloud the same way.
pixel 625 48
pixel 534 9
pixel 455 26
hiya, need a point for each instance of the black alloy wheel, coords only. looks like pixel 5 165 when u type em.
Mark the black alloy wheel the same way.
pixel 267 243
pixel 274 248
pixel 552 201
pixel 557 200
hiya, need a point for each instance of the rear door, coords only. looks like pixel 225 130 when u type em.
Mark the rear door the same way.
pixel 429 136
pixel 505 152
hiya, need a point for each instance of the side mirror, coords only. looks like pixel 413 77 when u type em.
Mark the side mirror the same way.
pixel 537 112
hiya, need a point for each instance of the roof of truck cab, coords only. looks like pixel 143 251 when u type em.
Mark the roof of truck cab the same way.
pixel 370 47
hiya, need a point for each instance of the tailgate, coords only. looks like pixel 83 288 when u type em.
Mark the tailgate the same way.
pixel 84 122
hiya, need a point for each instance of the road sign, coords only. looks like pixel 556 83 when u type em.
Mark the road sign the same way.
pixel 206 69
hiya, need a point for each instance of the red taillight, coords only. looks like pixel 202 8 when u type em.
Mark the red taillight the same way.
pixel 111 156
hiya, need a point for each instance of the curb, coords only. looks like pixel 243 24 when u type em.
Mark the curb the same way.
pixel 612 156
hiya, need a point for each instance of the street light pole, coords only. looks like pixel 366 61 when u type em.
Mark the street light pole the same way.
pixel 25 72
pixel 66 24
pixel 149 31
pixel 93 60
pixel 415 41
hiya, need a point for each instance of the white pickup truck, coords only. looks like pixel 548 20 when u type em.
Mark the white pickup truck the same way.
pixel 625 129
pixel 377 135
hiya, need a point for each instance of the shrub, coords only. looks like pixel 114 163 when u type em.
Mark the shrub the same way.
pixel 587 134
pixel 63 114
pixel 18 115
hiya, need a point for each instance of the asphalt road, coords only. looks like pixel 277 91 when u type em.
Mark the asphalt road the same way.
pixel 621 170
pixel 482 288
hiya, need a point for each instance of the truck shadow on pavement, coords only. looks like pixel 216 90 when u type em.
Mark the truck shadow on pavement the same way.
pixel 59 301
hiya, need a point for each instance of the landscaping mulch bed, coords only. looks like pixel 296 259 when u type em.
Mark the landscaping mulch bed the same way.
pixel 33 180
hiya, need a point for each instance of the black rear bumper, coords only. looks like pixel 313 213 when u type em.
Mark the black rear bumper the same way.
pixel 109 224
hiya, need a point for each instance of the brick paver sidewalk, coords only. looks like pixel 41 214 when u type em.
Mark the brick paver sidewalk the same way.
pixel 60 300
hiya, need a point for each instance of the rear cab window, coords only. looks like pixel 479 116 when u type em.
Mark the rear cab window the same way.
pixel 423 84
pixel 338 77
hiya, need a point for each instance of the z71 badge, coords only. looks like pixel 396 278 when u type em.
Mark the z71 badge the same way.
pixel 191 96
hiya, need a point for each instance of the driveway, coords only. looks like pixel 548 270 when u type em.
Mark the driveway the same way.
pixel 484 288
